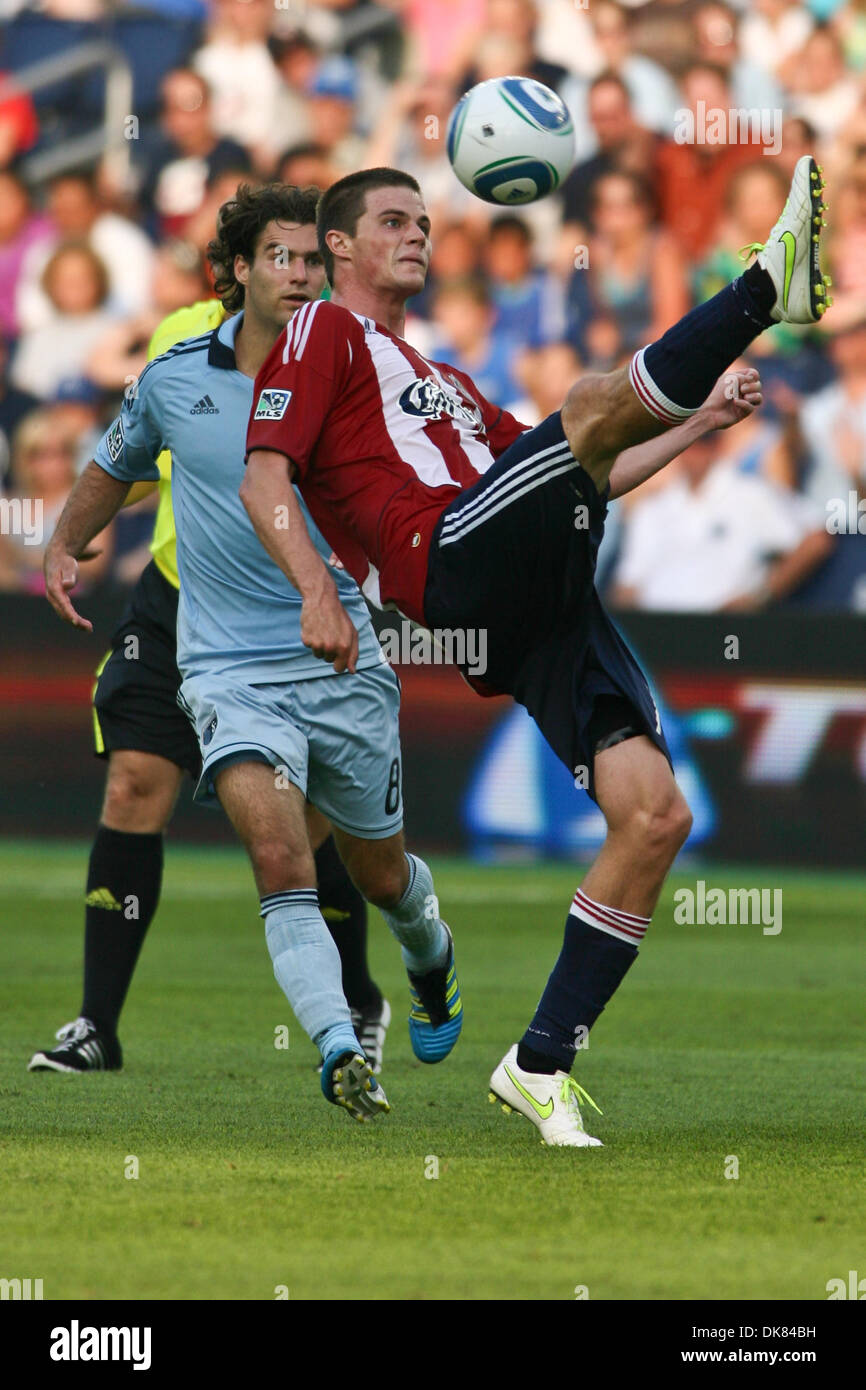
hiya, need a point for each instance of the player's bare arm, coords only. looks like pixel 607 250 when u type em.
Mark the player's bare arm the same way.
pixel 267 494
pixel 734 396
pixel 93 502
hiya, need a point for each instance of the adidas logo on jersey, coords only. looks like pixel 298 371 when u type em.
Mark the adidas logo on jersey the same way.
pixel 205 407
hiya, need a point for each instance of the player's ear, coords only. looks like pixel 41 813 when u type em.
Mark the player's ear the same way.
pixel 242 270
pixel 339 244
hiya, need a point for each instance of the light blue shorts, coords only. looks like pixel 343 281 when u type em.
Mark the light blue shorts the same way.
pixel 336 738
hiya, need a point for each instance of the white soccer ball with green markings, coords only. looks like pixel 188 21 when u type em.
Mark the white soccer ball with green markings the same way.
pixel 510 140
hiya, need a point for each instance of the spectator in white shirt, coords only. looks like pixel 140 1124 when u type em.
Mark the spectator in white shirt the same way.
pixel 772 30
pixel 833 425
pixel 714 538
pixel 75 283
pixel 243 77
pixel 822 88
pixel 77 214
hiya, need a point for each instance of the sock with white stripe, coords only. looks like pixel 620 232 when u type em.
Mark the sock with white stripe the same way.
pixel 599 947
pixel 415 921
pixel 673 376
pixel 307 968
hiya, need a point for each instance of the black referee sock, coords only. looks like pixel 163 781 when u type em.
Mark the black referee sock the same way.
pixel 123 884
pixel 345 913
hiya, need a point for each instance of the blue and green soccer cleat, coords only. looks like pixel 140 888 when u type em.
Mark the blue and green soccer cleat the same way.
pixel 436 1016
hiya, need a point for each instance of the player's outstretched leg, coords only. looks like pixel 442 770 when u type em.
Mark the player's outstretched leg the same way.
pixel 401 886
pixel 647 823
pixel 671 378
pixel 124 878
pixel 306 962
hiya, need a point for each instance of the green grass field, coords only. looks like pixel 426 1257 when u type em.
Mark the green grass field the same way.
pixel 722 1042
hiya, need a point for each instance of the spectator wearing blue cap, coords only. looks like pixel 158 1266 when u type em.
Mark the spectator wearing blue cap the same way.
pixel 78 409
pixel 333 97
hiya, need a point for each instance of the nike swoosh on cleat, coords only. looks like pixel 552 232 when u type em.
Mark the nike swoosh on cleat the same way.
pixel 543 1111
pixel 789 241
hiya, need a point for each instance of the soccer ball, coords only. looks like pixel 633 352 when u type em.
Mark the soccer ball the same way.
pixel 510 140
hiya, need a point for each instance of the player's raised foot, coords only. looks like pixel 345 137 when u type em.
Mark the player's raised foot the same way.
pixel 436 1016
pixel 348 1081
pixel 82 1048
pixel 552 1103
pixel 791 255
pixel 370 1027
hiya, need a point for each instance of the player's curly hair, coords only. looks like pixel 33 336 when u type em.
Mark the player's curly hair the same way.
pixel 240 223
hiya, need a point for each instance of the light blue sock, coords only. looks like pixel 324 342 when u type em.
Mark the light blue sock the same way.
pixel 307 968
pixel 416 923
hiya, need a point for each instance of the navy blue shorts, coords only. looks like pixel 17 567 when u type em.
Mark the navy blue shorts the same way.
pixel 514 558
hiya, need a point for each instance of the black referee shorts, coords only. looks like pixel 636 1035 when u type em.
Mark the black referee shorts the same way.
pixel 514 558
pixel 135 697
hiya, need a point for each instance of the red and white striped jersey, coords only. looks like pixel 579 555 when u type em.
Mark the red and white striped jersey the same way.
pixel 382 441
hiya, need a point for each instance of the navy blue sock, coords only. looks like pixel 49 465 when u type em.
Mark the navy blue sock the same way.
pixel 599 948
pixel 673 376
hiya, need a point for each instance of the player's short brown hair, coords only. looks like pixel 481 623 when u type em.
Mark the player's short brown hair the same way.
pixel 240 223
pixel 346 200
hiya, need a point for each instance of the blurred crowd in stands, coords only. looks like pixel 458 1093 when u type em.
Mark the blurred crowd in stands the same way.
pixel 525 300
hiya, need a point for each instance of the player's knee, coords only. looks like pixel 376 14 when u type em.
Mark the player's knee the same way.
pixel 661 827
pixel 134 793
pixel 281 867
pixel 585 416
pixel 382 884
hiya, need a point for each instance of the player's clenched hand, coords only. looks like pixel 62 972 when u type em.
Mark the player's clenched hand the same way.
pixel 61 575
pixel 328 630
pixel 734 396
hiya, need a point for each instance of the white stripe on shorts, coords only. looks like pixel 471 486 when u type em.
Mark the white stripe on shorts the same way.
pixel 548 471
pixel 512 475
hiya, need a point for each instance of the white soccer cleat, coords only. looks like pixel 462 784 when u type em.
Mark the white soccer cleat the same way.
pixel 791 255
pixel 550 1102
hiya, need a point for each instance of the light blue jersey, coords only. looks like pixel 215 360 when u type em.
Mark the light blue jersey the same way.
pixel 238 612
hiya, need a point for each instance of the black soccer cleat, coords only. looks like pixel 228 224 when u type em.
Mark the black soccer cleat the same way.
pixel 82 1048
pixel 370 1027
